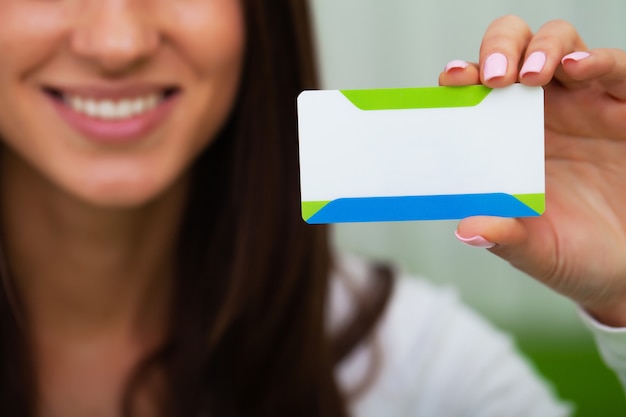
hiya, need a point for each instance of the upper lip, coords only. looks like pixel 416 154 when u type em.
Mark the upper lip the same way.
pixel 112 92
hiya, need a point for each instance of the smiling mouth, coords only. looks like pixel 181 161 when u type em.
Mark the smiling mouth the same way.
pixel 118 109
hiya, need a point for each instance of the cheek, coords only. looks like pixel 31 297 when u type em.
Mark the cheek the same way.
pixel 211 39
pixel 29 33
pixel 210 35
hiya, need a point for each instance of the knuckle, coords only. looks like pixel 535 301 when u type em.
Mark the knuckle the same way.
pixel 508 32
pixel 509 23
pixel 510 19
pixel 559 23
pixel 561 26
pixel 542 42
pixel 497 41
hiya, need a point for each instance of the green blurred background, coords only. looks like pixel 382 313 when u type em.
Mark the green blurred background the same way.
pixel 405 43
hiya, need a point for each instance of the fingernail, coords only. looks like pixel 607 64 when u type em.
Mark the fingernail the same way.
pixel 495 66
pixel 575 56
pixel 455 64
pixel 534 63
pixel 475 241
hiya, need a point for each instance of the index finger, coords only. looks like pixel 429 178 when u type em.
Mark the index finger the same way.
pixel 505 41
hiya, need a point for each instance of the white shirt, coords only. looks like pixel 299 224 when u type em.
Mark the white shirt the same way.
pixel 436 358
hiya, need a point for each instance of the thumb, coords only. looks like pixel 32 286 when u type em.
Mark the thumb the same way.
pixel 507 238
pixel 491 232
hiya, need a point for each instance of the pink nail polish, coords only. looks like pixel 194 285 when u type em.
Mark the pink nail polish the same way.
pixel 575 56
pixel 455 64
pixel 475 241
pixel 534 64
pixel 495 66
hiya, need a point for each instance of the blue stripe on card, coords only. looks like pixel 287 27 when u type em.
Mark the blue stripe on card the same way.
pixel 437 207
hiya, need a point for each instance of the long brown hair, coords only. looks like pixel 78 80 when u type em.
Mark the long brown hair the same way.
pixel 247 334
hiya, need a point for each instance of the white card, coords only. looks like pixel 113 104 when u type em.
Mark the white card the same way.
pixel 421 153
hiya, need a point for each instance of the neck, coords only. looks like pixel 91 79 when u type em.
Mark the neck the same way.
pixel 87 272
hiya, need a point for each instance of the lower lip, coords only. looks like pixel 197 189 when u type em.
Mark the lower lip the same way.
pixel 121 131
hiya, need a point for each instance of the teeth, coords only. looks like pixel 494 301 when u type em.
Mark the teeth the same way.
pixel 113 110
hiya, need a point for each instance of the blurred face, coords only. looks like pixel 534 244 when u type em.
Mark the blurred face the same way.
pixel 110 100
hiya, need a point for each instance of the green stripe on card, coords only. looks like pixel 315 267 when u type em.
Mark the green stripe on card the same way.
pixel 536 202
pixel 417 98
pixel 309 208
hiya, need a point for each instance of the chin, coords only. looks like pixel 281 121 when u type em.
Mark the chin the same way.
pixel 126 194
pixel 120 181
pixel 118 200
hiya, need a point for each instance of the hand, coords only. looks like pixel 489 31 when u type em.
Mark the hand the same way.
pixel 578 247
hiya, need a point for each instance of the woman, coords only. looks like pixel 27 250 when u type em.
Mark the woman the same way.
pixel 155 261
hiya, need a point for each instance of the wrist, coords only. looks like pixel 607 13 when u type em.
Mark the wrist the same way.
pixel 614 316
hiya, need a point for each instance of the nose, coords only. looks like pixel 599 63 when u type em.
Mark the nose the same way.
pixel 115 35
